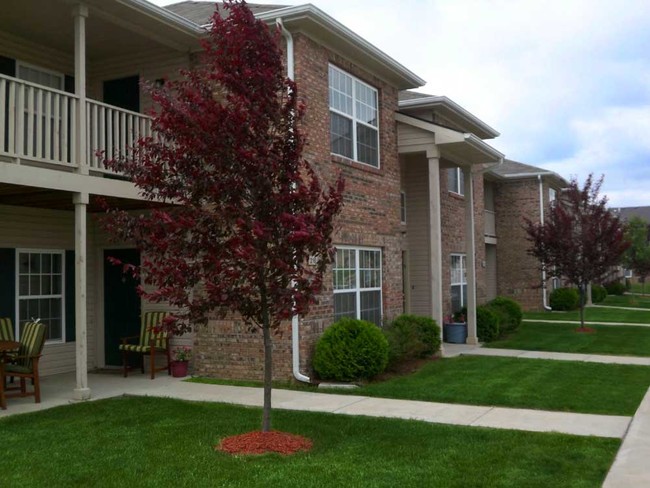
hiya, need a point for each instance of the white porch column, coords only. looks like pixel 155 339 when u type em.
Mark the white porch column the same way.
pixel 80 13
pixel 470 253
pixel 435 236
pixel 80 200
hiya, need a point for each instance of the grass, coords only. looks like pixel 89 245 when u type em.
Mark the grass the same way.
pixel 595 315
pixel 618 340
pixel 161 442
pixel 523 383
pixel 637 288
pixel 634 301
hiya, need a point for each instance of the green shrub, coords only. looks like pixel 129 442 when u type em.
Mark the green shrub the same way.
pixel 351 350
pixel 509 313
pixel 412 337
pixel 615 288
pixel 487 324
pixel 564 299
pixel 598 293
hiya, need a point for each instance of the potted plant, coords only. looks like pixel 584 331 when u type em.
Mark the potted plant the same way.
pixel 454 329
pixel 179 365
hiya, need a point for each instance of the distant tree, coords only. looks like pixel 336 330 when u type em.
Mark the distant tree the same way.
pixel 580 239
pixel 637 256
pixel 248 210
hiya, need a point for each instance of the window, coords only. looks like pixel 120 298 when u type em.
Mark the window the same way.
pixel 40 76
pixel 40 291
pixel 456 181
pixel 402 207
pixel 552 195
pixel 458 282
pixel 628 273
pixel 354 123
pixel 357 284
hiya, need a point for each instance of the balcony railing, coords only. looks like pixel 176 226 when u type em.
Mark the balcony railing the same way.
pixel 40 124
pixel 490 223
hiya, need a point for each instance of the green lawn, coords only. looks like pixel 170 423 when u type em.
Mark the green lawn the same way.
pixel 595 315
pixel 161 442
pixel 636 288
pixel 618 340
pixel 634 301
pixel 511 382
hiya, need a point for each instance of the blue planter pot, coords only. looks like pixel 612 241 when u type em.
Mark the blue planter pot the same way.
pixel 455 332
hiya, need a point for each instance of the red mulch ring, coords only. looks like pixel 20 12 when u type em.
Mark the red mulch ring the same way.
pixel 264 442
pixel 586 330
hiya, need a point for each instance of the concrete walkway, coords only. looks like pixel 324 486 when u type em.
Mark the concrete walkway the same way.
pixel 559 356
pixel 57 390
pixel 638 309
pixel 577 322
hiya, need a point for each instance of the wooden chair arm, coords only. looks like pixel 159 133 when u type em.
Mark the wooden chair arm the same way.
pixel 13 358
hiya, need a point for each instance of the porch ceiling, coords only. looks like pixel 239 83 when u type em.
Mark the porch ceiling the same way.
pixel 28 196
pixel 113 29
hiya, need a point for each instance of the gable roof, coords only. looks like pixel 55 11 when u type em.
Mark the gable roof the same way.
pixel 201 12
pixel 412 95
pixel 515 170
pixel 626 213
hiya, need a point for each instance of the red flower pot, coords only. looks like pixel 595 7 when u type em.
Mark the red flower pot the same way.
pixel 179 369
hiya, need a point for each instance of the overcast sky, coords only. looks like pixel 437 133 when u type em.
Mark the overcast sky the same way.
pixel 566 82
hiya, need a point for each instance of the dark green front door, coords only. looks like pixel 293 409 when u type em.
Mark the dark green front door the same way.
pixel 121 304
pixel 123 93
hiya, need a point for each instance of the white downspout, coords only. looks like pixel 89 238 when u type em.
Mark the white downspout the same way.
pixel 295 320
pixel 541 221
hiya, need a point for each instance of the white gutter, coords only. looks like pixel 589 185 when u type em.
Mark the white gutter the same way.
pixel 541 220
pixel 295 319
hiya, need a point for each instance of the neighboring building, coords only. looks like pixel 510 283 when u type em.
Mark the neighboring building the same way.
pixel 515 192
pixel 625 214
pixel 424 202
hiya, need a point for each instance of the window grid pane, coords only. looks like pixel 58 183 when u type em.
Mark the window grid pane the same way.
pixel 40 291
pixel 361 300
pixel 341 135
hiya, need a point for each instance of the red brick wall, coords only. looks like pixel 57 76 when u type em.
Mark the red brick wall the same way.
pixel 370 217
pixel 452 214
pixel 519 274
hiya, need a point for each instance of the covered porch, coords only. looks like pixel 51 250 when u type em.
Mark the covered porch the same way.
pixel 426 149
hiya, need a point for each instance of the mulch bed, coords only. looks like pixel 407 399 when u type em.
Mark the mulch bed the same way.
pixel 264 442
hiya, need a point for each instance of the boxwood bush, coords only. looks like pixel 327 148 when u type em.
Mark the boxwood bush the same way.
pixel 411 337
pixel 487 324
pixel 598 293
pixel 615 288
pixel 509 313
pixel 351 350
pixel 564 299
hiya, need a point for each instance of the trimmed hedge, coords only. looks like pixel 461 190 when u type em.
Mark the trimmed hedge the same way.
pixel 509 313
pixel 412 337
pixel 487 324
pixel 351 350
pixel 615 288
pixel 598 293
pixel 564 299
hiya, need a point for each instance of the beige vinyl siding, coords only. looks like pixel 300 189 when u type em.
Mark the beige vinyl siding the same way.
pixel 25 50
pixel 491 271
pixel 412 136
pixel 31 228
pixel 415 184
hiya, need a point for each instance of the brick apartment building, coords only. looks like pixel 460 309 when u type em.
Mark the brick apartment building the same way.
pixel 413 232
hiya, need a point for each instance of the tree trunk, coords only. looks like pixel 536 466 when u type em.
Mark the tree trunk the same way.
pixel 268 370
pixel 582 306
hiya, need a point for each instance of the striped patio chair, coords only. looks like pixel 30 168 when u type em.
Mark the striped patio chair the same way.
pixel 149 343
pixel 6 329
pixel 25 364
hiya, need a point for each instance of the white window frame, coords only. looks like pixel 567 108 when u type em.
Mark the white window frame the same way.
pixel 402 207
pixel 552 195
pixel 357 286
pixel 61 252
pixel 460 185
pixel 463 276
pixel 354 118
pixel 58 74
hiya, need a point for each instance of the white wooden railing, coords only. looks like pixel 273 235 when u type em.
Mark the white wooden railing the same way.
pixel 37 123
pixel 490 223
pixel 40 124
pixel 112 131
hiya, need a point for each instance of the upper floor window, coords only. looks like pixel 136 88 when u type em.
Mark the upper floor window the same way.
pixel 456 181
pixel 40 76
pixel 552 195
pixel 354 118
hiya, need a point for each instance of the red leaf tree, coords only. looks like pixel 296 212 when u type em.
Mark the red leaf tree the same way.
pixel 581 239
pixel 248 210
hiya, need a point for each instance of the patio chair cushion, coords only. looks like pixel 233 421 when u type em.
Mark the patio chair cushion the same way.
pixel 32 339
pixel 6 329
pixel 16 368
pixel 135 348
pixel 150 320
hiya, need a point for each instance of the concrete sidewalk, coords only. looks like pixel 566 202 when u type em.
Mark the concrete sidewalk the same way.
pixel 638 309
pixel 559 356
pixel 57 390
